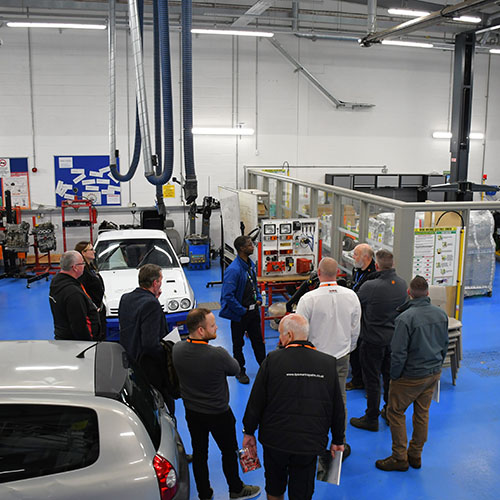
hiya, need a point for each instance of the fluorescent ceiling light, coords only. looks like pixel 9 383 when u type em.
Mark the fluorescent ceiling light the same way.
pixel 447 135
pixel 476 135
pixel 264 34
pixel 468 19
pixel 408 12
pixel 494 51
pixel 441 135
pixel 75 26
pixel 222 131
pixel 408 44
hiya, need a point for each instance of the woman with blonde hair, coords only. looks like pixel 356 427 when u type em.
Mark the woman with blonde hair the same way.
pixel 92 281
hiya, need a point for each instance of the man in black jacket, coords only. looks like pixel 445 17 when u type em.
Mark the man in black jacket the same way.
pixel 75 315
pixel 295 402
pixel 364 265
pixel 380 296
pixel 143 325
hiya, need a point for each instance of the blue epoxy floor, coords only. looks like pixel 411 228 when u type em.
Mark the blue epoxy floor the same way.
pixel 461 459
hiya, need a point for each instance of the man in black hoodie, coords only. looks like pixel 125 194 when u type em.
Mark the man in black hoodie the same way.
pixel 380 296
pixel 75 315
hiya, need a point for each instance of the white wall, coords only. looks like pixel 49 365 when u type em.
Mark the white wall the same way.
pixel 243 81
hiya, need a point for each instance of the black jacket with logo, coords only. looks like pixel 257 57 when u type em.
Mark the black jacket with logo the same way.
pixel 296 400
pixel 75 315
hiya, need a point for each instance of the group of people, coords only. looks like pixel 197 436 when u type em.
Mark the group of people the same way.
pixel 383 327
pixel 76 296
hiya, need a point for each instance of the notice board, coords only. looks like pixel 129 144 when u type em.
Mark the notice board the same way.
pixel 86 177
pixel 14 178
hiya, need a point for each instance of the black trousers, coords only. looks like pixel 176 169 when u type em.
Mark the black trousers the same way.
pixel 356 373
pixel 297 470
pixel 250 323
pixel 222 428
pixel 375 361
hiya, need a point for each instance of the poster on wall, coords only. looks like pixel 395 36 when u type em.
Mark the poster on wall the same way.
pixel 435 255
pixel 86 177
pixel 14 178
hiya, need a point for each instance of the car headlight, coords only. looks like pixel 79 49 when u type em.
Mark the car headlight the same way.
pixel 173 305
pixel 185 303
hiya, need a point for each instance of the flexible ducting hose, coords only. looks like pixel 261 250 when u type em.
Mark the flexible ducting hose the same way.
pixel 161 24
pixel 190 185
pixel 113 154
pixel 140 86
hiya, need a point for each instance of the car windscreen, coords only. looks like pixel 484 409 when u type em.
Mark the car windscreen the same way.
pixel 38 439
pixel 134 253
pixel 140 397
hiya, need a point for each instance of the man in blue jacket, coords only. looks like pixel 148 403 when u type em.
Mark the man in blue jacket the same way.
pixel 419 347
pixel 240 301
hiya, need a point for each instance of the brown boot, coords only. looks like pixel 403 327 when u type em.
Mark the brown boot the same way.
pixel 391 463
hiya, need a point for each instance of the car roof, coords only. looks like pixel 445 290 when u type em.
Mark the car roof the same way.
pixel 46 367
pixel 132 234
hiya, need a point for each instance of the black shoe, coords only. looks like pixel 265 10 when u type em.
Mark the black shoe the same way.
pixel 415 462
pixel 383 414
pixel 351 386
pixel 242 378
pixel 391 464
pixel 347 451
pixel 364 423
pixel 211 497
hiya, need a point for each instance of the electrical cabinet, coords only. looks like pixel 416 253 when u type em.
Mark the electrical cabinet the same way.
pixel 288 246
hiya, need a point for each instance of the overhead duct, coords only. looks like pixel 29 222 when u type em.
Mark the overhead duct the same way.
pixel 425 21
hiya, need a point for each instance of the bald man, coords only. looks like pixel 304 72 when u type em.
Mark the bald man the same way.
pixel 334 315
pixel 364 265
pixel 295 402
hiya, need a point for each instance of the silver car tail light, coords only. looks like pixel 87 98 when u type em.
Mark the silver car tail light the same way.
pixel 167 478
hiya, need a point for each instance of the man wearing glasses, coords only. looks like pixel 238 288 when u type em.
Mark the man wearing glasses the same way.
pixel 75 315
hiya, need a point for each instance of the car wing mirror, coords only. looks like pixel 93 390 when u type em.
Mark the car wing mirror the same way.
pixel 184 260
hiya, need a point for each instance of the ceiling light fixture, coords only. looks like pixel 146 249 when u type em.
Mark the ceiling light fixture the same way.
pixel 75 26
pixel 264 34
pixel 408 12
pixel 494 51
pixel 222 131
pixel 447 135
pixel 468 19
pixel 401 43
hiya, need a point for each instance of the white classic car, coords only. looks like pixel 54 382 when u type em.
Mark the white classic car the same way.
pixel 120 254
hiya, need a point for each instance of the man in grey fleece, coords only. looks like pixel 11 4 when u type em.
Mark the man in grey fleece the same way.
pixel 202 370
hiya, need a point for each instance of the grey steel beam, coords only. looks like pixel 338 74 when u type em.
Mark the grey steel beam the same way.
pixel 253 13
pixel 307 74
pixel 425 21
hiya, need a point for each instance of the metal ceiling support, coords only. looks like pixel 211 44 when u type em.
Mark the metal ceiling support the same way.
pixel 463 76
pixel 372 16
pixel 253 13
pixel 295 16
pixel 425 21
pixel 336 102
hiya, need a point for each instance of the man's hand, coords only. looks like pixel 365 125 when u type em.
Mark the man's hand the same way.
pixel 258 303
pixel 250 443
pixel 336 447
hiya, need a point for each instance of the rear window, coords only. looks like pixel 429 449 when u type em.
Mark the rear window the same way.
pixel 38 440
pixel 140 396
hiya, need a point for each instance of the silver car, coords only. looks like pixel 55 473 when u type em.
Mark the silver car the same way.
pixel 77 420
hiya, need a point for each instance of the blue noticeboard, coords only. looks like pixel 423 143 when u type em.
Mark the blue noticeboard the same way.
pixel 86 177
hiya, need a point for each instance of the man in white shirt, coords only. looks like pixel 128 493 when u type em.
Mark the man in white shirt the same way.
pixel 334 315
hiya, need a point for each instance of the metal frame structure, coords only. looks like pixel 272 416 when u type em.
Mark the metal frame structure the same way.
pixel 404 214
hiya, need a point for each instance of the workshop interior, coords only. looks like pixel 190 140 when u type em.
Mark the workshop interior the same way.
pixel 161 131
